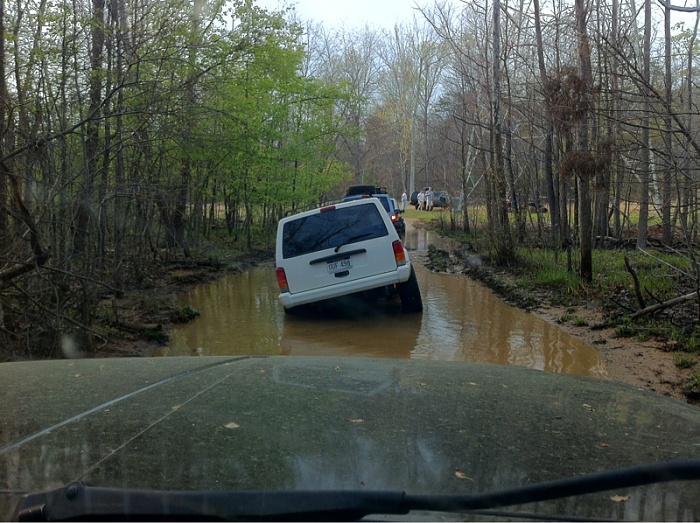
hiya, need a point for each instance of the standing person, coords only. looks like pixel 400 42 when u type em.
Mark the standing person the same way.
pixel 429 195
pixel 404 201
pixel 421 201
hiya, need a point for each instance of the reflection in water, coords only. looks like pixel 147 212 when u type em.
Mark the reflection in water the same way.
pixel 240 315
pixel 462 321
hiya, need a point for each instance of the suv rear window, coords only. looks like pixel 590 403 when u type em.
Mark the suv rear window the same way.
pixel 334 228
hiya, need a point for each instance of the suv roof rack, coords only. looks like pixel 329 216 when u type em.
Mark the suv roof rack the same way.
pixel 354 190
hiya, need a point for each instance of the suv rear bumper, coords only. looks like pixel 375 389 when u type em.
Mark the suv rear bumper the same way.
pixel 400 275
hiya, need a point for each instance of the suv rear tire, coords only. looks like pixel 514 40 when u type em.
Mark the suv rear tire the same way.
pixel 409 292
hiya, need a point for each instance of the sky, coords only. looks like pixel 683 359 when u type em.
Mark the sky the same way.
pixel 351 13
pixel 386 13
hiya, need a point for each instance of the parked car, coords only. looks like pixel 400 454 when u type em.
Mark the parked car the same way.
pixel 441 199
pixel 390 206
pixel 536 206
pixel 342 249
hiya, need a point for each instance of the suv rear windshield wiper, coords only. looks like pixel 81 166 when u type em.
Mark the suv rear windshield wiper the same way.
pixel 354 239
pixel 80 501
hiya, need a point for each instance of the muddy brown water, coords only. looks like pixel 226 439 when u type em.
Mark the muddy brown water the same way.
pixel 462 321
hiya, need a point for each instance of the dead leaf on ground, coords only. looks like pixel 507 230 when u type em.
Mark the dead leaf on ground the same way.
pixel 588 407
pixel 232 425
pixel 262 371
pixel 356 420
pixel 176 407
pixel 422 384
pixel 619 499
pixel 604 445
pixel 76 375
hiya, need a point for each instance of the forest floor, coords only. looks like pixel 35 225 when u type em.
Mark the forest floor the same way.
pixel 142 318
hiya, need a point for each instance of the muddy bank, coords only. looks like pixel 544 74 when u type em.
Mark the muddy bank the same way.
pixel 142 319
pixel 648 364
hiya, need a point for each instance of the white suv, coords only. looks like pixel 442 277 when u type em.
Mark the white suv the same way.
pixel 343 249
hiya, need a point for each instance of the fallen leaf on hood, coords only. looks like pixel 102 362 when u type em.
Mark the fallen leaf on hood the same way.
pixel 619 499
pixel 461 475
pixel 232 425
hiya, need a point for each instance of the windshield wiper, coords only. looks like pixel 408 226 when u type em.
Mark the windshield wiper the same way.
pixel 81 501
pixel 353 239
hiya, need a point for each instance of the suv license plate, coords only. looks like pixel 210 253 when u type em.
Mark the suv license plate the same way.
pixel 339 265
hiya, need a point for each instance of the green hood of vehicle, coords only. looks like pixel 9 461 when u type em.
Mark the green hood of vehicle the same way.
pixel 296 423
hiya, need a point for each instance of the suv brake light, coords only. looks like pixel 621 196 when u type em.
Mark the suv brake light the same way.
pixel 326 209
pixel 394 217
pixel 399 253
pixel 282 279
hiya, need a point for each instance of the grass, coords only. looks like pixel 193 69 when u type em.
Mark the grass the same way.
pixel 427 216
pixel 683 361
pixel 695 379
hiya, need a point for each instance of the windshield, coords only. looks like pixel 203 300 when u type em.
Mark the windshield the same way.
pixel 200 289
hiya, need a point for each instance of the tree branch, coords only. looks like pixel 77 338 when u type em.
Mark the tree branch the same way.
pixel 667 5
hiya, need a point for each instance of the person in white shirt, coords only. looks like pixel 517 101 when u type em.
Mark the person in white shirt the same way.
pixel 429 194
pixel 404 201
pixel 421 201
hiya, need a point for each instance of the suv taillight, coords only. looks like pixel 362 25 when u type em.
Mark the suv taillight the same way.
pixel 282 279
pixel 394 217
pixel 399 253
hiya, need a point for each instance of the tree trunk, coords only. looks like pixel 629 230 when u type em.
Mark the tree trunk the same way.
pixel 504 240
pixel 643 223
pixel 549 134
pixel 4 104
pixel 585 215
pixel 92 132
pixel 670 161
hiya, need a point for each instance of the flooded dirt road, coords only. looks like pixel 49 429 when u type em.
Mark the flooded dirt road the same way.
pixel 462 321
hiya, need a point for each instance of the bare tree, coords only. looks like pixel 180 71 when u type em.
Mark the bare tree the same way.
pixel 504 241
pixel 643 223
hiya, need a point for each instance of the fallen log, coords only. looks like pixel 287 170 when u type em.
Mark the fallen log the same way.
pixel 137 327
pixel 665 305
pixel 635 279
